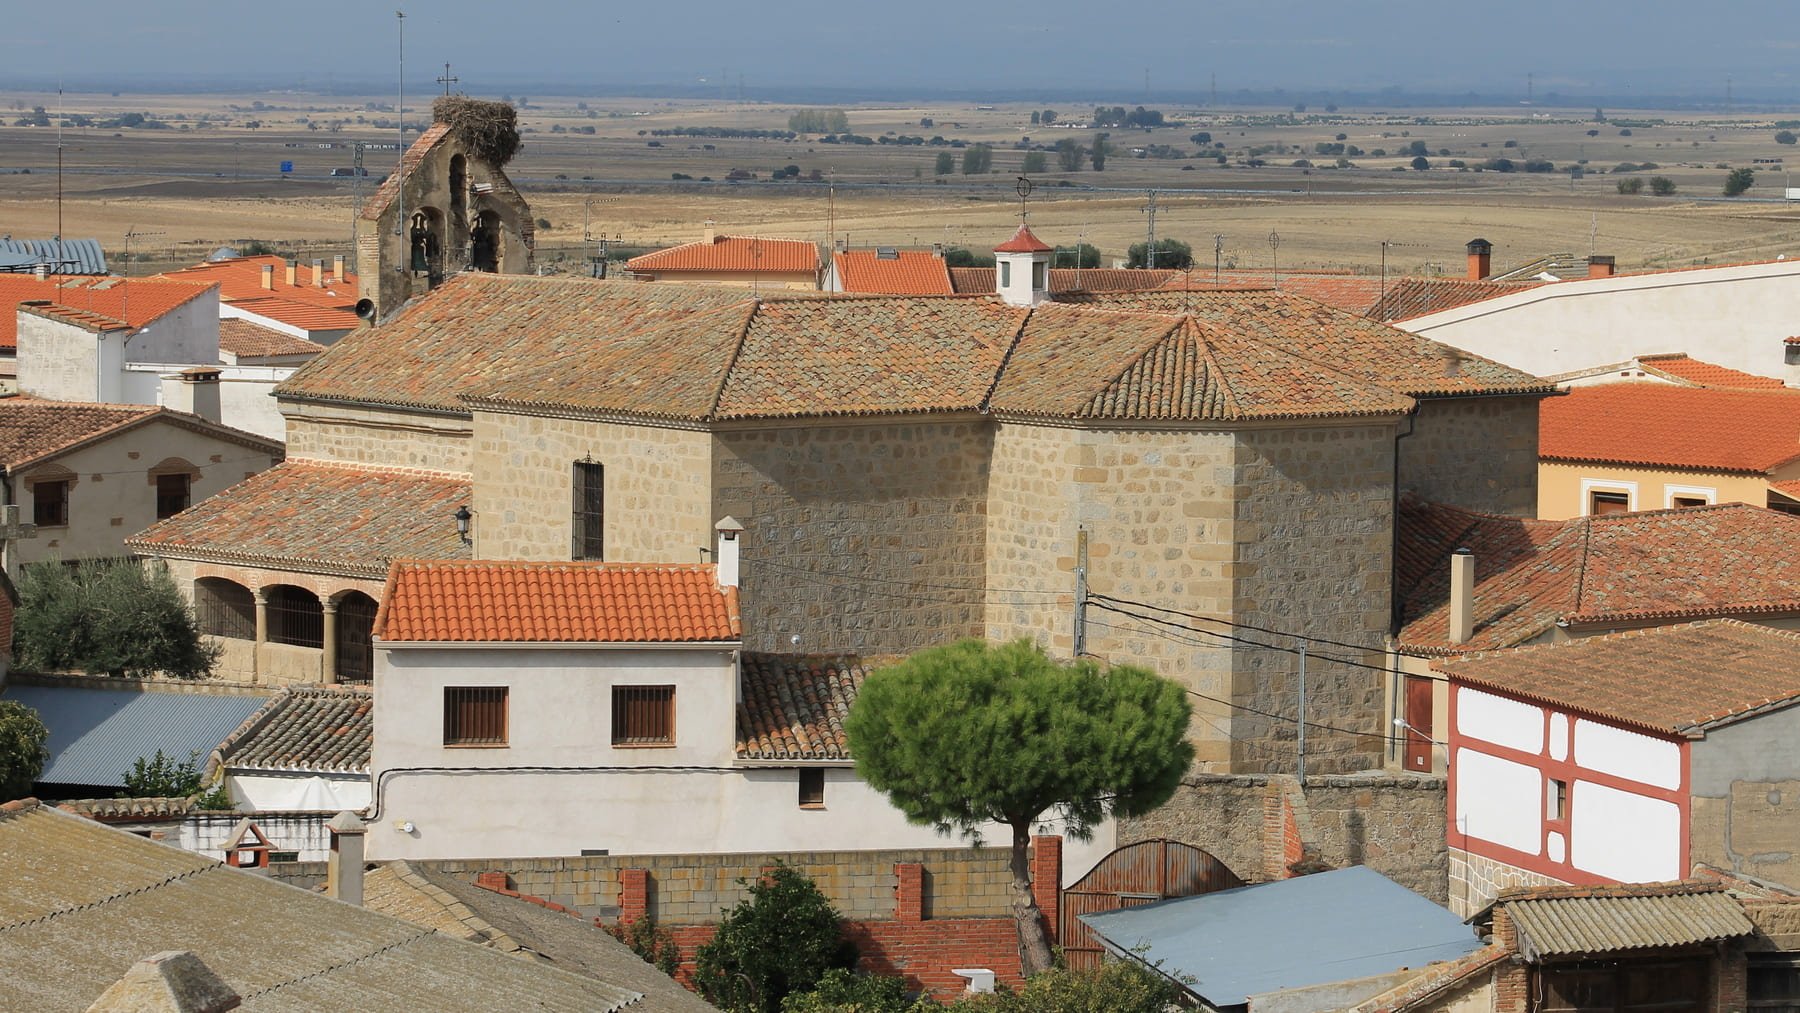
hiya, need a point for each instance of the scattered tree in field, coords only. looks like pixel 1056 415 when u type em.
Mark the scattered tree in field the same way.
pixel 977 159
pixel 1662 186
pixel 972 733
pixel 1069 154
pixel 819 121
pixel 1417 148
pixel 1421 163
pixel 946 164
pixel 1170 253
pixel 22 750
pixel 779 941
pixel 1785 137
pixel 1739 180
pixel 1047 117
pixel 1098 151
pixel 1083 255
pixel 1035 161
pixel 1036 117
pixel 1202 138
pixel 107 617
pixel 1599 115
pixel 1633 185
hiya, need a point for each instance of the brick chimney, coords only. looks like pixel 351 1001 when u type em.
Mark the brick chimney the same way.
pixel 344 865
pixel 173 981
pixel 319 273
pixel 1462 596
pixel 1601 267
pixel 1481 255
pixel 268 277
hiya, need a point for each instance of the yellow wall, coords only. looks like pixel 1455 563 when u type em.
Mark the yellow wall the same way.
pixel 1560 494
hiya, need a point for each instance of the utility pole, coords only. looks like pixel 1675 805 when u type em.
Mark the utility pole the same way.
pixel 1081 592
pixel 1275 256
pixel 1149 210
pixel 1218 250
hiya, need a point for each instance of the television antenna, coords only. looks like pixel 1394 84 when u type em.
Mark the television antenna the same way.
pixel 1275 256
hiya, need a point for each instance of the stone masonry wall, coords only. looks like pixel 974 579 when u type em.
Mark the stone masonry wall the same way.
pixel 1392 824
pixel 387 438
pixel 657 484
pixel 1159 527
pixel 692 889
pixel 1475 880
pixel 1476 453
pixel 864 538
pixel 1312 540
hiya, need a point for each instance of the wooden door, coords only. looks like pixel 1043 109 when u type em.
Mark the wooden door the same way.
pixel 1417 753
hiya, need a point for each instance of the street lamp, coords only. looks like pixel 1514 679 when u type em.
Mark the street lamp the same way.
pixel 463 515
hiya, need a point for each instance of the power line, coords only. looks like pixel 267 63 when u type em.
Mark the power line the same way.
pixel 1245 641
pixel 979 588
pixel 1242 626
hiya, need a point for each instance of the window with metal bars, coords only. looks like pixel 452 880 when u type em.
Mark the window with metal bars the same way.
pixel 225 608
pixel 295 616
pixel 173 495
pixel 587 523
pixel 474 715
pixel 643 715
pixel 356 643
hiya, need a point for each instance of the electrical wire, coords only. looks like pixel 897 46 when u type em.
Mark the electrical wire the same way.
pixel 1227 622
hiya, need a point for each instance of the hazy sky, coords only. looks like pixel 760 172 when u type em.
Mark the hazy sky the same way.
pixel 1578 46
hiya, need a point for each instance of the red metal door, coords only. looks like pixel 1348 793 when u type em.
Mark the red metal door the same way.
pixel 1417 755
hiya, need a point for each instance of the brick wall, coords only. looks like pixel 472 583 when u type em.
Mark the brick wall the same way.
pixel 1477 453
pixel 1393 824
pixel 894 500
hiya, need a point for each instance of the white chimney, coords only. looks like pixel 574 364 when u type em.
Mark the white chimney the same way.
pixel 42 272
pixel 268 277
pixel 707 235
pixel 727 557
pixel 1462 596
pixel 319 273
pixel 344 865
pixel 293 269
pixel 337 268
pixel 194 390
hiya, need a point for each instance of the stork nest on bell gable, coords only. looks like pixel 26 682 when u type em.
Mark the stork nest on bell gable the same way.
pixel 490 130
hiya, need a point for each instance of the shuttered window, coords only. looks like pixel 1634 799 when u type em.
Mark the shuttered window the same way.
pixel 475 715
pixel 587 525
pixel 643 715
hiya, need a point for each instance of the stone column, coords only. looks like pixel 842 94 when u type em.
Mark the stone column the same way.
pixel 262 632
pixel 328 672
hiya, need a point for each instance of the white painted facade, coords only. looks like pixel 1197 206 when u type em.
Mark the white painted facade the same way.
pixel 1564 797
pixel 694 797
pixel 1736 316
pixel 256 791
pixel 67 362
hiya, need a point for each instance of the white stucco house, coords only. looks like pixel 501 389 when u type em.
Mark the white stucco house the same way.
pixel 543 709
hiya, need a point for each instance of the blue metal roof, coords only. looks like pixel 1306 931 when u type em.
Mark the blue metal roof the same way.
pixel 64 256
pixel 1291 933
pixel 96 732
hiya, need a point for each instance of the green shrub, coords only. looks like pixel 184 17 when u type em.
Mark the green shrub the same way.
pixel 778 941
pixel 107 617
pixel 842 991
pixel 22 750
pixel 1118 986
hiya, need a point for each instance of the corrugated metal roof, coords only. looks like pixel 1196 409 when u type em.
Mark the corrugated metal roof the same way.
pixel 64 256
pixel 1569 926
pixel 1333 926
pixel 96 732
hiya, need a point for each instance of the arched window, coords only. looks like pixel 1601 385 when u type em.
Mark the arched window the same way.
pixel 295 616
pixel 425 237
pixel 225 608
pixel 484 243
pixel 356 637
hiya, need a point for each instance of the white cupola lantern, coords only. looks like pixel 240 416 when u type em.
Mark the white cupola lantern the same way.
pixel 1022 269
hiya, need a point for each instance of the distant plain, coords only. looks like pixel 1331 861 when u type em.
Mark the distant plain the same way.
pixel 181 191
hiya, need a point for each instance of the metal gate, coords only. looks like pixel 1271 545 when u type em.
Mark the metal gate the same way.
pixel 1134 874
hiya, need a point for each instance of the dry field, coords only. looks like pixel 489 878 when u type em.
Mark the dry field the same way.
pixel 183 190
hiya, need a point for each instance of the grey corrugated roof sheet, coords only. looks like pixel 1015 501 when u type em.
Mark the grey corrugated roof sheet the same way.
pixel 1291 933
pixel 64 256
pixel 309 729
pixel 84 901
pixel 1604 920
pixel 98 728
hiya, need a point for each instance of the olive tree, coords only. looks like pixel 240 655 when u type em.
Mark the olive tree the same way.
pixel 971 734
pixel 22 749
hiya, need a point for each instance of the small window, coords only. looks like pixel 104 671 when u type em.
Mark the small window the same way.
pixel 643 715
pixel 1556 800
pixel 475 715
pixel 1601 504
pixel 1037 274
pixel 588 523
pixel 1688 501
pixel 50 504
pixel 173 495
pixel 812 788
pixel 1005 273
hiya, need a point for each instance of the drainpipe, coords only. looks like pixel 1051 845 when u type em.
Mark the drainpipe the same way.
pixel 1394 616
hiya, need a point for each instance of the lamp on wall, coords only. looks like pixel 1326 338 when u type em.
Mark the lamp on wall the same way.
pixel 463 515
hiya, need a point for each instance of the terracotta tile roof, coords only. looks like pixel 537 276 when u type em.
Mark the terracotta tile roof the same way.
pixel 389 190
pixel 1407 298
pixel 792 706
pixel 309 729
pixel 314 517
pixel 301 314
pixel 1677 366
pixel 1790 489
pixel 240 279
pixel 477 326
pixel 112 302
pixel 909 272
pixel 128 810
pixel 478 601
pixel 248 340
pixel 1433 981
pixel 1023 241
pixel 1658 565
pixel 982 281
pixel 1310 329
pixel 31 429
pixel 1068 365
pixel 1564 922
pixel 1354 293
pixel 732 253
pixel 974 280
pixel 1754 431
pixel 1707 674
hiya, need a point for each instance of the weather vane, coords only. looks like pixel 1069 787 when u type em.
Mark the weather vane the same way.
pixel 1024 187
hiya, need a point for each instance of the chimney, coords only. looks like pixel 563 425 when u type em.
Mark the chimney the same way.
pixel 1601 267
pixel 319 273
pixel 937 250
pixel 173 981
pixel 268 277
pixel 1462 596
pixel 1481 255
pixel 41 272
pixel 293 268
pixel 707 235
pixel 344 866
pixel 194 390
pixel 727 557
pixel 337 268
